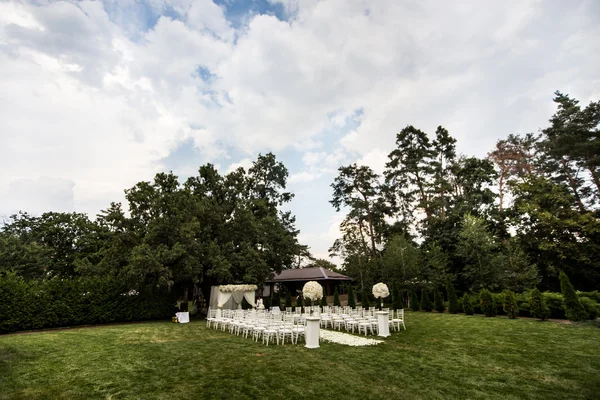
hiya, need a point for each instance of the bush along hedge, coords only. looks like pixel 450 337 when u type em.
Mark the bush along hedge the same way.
pixel 537 305
pixel 573 308
pixel 453 307
pixel 426 304
pixel 467 306
pixel 510 304
pixel 488 306
pixel 59 302
pixel 415 305
pixel 438 301
pixel 590 306
pixel 398 304
pixel 351 300
pixel 365 300
pixel 324 300
pixel 336 298
pixel 299 301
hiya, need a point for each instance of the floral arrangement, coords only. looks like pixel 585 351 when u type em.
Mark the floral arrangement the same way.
pixel 237 288
pixel 380 290
pixel 312 291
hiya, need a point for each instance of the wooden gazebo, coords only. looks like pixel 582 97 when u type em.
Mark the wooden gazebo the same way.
pixel 294 279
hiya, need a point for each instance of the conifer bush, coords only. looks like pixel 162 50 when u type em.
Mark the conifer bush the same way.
pixel 467 306
pixel 336 298
pixel 300 300
pixel 510 304
pixel 537 305
pixel 573 308
pixel 398 303
pixel 414 301
pixel 351 300
pixel 288 299
pixel 438 301
pixel 453 307
pixel 426 303
pixel 365 300
pixel 324 300
pixel 488 307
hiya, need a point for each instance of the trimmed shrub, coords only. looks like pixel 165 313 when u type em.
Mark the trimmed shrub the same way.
pixel 467 306
pixel 498 303
pixel 453 306
pixel 336 298
pixel 438 301
pixel 590 306
pixel 351 300
pixel 573 308
pixel 267 302
pixel 595 295
pixel 510 304
pixel 288 299
pixel 56 302
pixel 426 303
pixel 537 305
pixel 300 300
pixel 324 301
pixel 556 305
pixel 414 301
pixel 398 303
pixel 365 300
pixel 488 307
pixel 523 304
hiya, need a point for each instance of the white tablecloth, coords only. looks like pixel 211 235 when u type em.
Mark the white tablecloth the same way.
pixel 183 317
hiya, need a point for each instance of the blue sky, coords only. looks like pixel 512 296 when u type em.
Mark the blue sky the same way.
pixel 98 95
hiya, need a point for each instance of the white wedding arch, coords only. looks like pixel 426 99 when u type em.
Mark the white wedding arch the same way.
pixel 230 297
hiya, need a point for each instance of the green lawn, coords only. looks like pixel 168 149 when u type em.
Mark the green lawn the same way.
pixel 440 356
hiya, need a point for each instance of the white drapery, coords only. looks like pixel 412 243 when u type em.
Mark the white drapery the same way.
pixel 229 300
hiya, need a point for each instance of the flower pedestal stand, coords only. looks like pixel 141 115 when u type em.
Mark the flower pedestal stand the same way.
pixel 383 322
pixel 312 332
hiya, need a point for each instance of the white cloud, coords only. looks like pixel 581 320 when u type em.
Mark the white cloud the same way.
pixel 39 195
pixel 91 95
pixel 245 163
pixel 302 177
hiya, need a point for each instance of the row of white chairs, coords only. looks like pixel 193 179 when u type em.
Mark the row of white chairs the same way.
pixel 258 325
pixel 277 326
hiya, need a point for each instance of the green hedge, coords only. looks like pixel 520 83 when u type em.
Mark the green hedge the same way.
pixel 56 302
pixel 554 302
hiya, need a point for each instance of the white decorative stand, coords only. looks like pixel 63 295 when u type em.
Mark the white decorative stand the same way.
pixel 312 332
pixel 183 317
pixel 383 321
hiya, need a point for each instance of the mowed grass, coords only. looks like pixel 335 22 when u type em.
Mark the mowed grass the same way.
pixel 440 356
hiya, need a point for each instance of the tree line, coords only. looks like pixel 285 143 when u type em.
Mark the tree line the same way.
pixel 511 220
pixel 210 229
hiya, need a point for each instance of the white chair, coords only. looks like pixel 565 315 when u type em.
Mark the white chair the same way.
pixel 298 330
pixel 286 330
pixel 399 320
pixel 270 332
pixel 211 317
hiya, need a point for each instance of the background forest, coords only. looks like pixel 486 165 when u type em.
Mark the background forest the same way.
pixel 512 220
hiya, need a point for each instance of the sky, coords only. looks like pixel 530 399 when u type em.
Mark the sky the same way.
pixel 96 96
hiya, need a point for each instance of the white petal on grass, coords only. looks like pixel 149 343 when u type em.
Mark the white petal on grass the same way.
pixel 347 339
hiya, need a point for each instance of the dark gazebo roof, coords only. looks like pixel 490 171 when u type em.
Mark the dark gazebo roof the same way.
pixel 308 274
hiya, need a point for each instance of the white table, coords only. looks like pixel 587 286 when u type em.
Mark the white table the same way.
pixel 312 332
pixel 383 322
pixel 183 317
